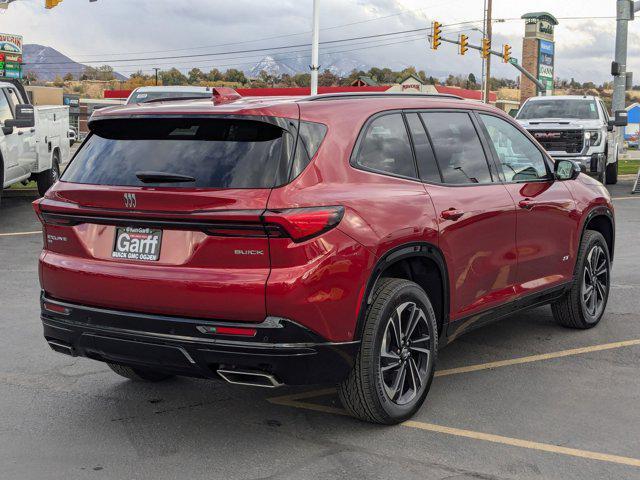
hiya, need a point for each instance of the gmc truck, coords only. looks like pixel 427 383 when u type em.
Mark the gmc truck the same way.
pixel 34 141
pixel 576 127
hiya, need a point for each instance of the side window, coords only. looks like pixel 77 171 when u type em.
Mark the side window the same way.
pixel 458 149
pixel 13 99
pixel 605 112
pixel 386 148
pixel 5 109
pixel 427 167
pixel 520 159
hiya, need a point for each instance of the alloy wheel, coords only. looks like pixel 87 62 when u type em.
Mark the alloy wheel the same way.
pixel 405 353
pixel 595 283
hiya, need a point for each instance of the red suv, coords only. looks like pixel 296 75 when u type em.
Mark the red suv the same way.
pixel 331 239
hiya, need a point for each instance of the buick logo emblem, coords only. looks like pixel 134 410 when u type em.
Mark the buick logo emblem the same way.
pixel 130 200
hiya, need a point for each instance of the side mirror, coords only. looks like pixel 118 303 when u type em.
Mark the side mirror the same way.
pixel 7 130
pixel 71 135
pixel 621 118
pixel 25 117
pixel 568 169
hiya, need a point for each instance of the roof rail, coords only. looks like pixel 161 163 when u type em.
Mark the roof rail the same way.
pixel 350 95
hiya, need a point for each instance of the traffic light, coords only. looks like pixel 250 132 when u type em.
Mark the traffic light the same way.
pixel 436 32
pixel 506 53
pixel 464 42
pixel 486 48
pixel 51 3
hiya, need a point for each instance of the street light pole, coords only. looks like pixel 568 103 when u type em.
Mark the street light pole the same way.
pixel 487 69
pixel 315 44
pixel 624 13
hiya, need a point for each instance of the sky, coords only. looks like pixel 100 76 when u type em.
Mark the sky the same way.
pixel 108 31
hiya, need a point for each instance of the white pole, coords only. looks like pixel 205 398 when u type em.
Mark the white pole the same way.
pixel 314 47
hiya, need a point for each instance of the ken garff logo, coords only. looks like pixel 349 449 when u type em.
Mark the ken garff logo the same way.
pixel 130 200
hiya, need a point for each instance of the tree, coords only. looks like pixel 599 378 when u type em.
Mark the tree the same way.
pixel 30 77
pixel 472 80
pixel 58 82
pixel 236 76
pixel 328 79
pixel 68 77
pixel 214 75
pixel 302 79
pixel 173 77
pixel 196 76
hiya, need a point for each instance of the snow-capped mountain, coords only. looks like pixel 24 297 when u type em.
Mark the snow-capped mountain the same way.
pixel 280 64
pixel 47 63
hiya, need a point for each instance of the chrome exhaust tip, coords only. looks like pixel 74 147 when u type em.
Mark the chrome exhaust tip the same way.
pixel 248 377
pixel 61 348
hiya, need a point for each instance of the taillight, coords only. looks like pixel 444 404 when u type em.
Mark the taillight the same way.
pixel 304 223
pixel 38 209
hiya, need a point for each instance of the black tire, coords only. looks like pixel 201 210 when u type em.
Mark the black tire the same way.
pixel 139 374
pixel 47 178
pixel 602 172
pixel 574 309
pixel 365 393
pixel 612 173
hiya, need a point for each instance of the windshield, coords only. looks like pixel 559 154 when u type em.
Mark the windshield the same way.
pixel 142 97
pixel 214 153
pixel 580 109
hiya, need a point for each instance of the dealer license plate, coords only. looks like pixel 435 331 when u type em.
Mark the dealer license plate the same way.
pixel 137 243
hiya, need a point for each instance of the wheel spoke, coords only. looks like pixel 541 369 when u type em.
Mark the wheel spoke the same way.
pixel 414 370
pixel 389 361
pixel 600 290
pixel 416 315
pixel 423 339
pixel 395 332
pixel 420 350
pixel 398 383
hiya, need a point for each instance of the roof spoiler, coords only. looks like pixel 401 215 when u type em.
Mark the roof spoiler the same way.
pixel 224 95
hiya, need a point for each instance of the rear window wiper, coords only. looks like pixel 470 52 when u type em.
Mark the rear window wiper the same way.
pixel 163 177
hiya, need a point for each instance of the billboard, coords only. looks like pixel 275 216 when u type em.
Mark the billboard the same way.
pixel 11 54
pixel 545 63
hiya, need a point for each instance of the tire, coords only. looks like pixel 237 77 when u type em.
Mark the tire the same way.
pixel 47 178
pixel 577 308
pixel 612 172
pixel 368 393
pixel 138 374
pixel 602 172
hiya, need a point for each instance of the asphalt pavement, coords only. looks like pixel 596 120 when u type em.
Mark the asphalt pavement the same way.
pixel 519 399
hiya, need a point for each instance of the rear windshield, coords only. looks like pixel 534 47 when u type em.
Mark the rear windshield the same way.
pixel 143 97
pixel 580 109
pixel 215 152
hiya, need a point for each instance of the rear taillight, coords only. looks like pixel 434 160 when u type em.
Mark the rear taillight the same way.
pixel 304 223
pixel 38 209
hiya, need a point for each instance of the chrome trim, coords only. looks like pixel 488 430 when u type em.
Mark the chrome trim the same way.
pixel 227 375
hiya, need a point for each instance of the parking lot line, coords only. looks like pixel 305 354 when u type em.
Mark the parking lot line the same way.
pixel 15 234
pixel 537 358
pixel 637 197
pixel 516 442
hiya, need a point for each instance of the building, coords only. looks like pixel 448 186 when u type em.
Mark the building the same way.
pixel 364 81
pixel 633 127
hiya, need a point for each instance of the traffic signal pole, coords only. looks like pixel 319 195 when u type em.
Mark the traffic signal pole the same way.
pixel 315 41
pixel 487 69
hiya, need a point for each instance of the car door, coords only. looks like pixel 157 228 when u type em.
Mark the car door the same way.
pixel 12 146
pixel 611 136
pixel 26 135
pixel 546 215
pixel 476 214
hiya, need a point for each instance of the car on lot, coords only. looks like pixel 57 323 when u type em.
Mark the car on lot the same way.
pixel 332 239
pixel 578 128
pixel 159 93
pixel 33 139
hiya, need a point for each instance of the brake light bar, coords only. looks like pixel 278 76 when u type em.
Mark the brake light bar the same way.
pixel 237 331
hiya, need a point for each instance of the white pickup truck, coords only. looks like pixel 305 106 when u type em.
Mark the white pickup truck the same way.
pixel 34 141
pixel 578 128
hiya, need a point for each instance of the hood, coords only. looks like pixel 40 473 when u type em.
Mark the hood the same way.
pixel 559 124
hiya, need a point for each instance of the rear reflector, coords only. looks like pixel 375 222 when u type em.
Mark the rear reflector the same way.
pixel 304 223
pixel 55 308
pixel 239 331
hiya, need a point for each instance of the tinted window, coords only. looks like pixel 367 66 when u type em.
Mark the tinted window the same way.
pixel 386 148
pixel 520 159
pixel 427 167
pixel 218 153
pixel 13 99
pixel 5 109
pixel 573 108
pixel 310 136
pixel 457 147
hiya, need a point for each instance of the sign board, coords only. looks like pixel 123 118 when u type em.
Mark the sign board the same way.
pixel 545 63
pixel 513 61
pixel 11 53
pixel 12 74
pixel 11 43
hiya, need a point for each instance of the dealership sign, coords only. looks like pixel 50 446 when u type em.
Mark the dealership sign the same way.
pixel 11 55
pixel 545 63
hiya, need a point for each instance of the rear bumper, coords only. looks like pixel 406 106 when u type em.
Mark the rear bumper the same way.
pixel 291 353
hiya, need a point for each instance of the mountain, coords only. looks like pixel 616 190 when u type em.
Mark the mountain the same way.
pixel 340 65
pixel 37 56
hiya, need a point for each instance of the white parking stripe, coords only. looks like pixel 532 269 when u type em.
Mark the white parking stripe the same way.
pixel 16 234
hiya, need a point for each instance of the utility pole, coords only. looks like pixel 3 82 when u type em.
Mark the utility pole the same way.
pixel 156 69
pixel 624 13
pixel 315 43
pixel 487 69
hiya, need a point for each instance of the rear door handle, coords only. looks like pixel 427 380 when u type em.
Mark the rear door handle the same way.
pixel 20 133
pixel 452 214
pixel 527 204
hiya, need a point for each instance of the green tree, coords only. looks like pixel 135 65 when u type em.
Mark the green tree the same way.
pixel 214 75
pixel 173 77
pixel 196 76
pixel 235 76
pixel 328 79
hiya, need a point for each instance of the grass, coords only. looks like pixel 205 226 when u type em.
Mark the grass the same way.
pixel 628 167
pixel 28 186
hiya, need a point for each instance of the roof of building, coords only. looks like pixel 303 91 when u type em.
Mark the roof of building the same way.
pixel 546 16
pixel 415 77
